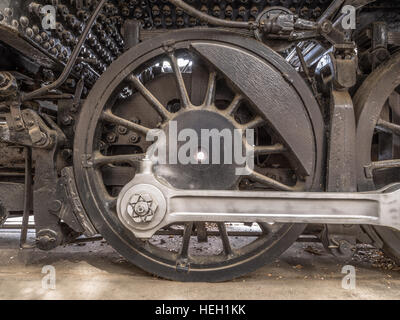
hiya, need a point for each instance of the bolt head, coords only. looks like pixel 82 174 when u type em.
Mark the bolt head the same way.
pixel 326 27
pixel 134 138
pixel 111 137
pixel 142 207
pixel 122 130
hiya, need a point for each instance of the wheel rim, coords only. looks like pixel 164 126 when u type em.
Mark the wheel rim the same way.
pixel 377 105
pixel 374 112
pixel 146 254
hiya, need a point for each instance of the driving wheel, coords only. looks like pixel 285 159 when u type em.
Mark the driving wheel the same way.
pixel 198 80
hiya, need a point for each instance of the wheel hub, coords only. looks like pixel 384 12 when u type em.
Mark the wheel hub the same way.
pixel 212 159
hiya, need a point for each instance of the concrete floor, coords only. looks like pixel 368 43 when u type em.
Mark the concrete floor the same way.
pixel 96 271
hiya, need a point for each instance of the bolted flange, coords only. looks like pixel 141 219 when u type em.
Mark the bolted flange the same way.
pixel 47 239
pixel 141 206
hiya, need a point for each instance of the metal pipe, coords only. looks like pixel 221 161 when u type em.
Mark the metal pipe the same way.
pixel 210 19
pixel 71 62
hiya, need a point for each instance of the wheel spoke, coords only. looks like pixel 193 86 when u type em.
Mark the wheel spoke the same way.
pixel 150 98
pixel 110 117
pixel 379 165
pixel 273 149
pixel 234 104
pixel 225 239
pixel 256 122
pixel 101 160
pixel 387 126
pixel 111 202
pixel 201 231
pixel 258 177
pixel 210 95
pixel 186 240
pixel 185 101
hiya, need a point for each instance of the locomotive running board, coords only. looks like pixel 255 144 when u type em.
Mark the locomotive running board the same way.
pixel 168 205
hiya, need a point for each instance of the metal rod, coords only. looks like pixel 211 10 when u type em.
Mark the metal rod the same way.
pixel 303 63
pixel 212 20
pixel 330 11
pixel 12 174
pixel 82 240
pixel 71 62
pixel 27 198
pixel 15 226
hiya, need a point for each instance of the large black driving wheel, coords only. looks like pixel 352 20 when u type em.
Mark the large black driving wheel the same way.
pixel 174 77
pixel 377 105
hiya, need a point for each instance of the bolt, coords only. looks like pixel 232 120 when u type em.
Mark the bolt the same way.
pixel 66 120
pixel 24 21
pixel 102 145
pixel 122 130
pixel 70 83
pixel 46 239
pixel 134 138
pixel 55 206
pixel 8 12
pixel 15 23
pixel 42 140
pixel 326 27
pixel 111 137
pixel 142 207
pixel 35 29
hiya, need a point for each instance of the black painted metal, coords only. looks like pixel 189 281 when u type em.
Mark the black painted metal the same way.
pixel 107 222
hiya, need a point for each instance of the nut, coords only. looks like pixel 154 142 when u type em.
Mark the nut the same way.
pixel 134 138
pixel 142 207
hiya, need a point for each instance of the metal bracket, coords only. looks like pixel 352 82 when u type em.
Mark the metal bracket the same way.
pixel 16 122
pixel 27 128
pixel 341 173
